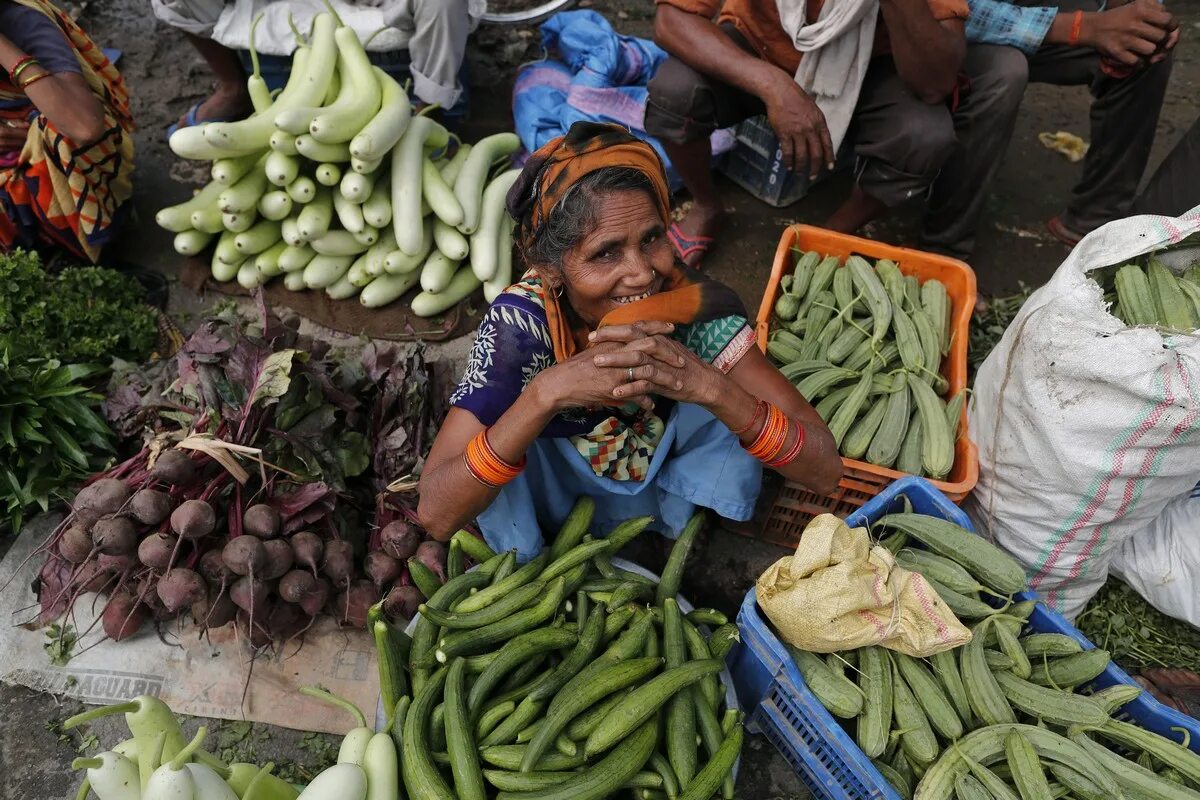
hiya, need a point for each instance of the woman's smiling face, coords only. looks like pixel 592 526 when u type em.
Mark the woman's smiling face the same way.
pixel 624 257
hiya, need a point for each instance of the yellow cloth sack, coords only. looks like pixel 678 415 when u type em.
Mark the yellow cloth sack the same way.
pixel 840 593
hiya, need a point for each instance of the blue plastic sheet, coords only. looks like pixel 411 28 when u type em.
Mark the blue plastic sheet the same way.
pixel 593 74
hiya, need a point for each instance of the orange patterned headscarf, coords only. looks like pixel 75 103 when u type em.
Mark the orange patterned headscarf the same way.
pixel 547 177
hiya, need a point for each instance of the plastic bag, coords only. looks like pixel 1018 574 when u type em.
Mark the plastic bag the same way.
pixel 1162 563
pixel 839 593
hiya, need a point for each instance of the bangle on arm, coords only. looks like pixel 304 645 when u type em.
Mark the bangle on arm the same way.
pixel 770 446
pixel 1076 28
pixel 487 467
pixel 34 80
pixel 759 409
pixel 20 67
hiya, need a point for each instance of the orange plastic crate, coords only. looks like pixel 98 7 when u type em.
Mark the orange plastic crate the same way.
pixel 794 505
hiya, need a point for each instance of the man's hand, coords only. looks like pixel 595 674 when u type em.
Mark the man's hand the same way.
pixel 800 126
pixel 1130 33
pixel 12 135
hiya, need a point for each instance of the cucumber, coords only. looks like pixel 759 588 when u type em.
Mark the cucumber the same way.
pixel 460 739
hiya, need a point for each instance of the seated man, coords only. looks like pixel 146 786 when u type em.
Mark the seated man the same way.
pixel 1121 54
pixel 434 32
pixel 745 63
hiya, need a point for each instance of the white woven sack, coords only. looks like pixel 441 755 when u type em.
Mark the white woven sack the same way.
pixel 1162 563
pixel 1086 428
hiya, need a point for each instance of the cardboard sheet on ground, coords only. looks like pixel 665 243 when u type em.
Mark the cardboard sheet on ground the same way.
pixel 200 677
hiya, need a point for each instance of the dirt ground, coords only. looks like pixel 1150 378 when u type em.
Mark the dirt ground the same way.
pixel 166 77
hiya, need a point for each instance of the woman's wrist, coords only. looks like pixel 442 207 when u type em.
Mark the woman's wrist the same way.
pixel 543 395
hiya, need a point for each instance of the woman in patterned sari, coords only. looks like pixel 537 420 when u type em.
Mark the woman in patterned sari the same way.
pixel 66 134
pixel 610 371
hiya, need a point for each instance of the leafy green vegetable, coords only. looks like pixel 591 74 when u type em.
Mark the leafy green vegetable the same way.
pixel 991 318
pixel 50 433
pixel 1137 634
pixel 60 644
pixel 78 314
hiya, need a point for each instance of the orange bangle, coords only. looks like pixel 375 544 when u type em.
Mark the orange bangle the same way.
pixel 34 80
pixel 487 467
pixel 1076 28
pixel 773 436
pixel 794 451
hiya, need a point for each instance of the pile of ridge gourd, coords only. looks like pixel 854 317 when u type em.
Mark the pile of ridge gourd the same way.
pixel 1154 295
pixel 335 185
pixel 865 346
pixel 1001 717
pixel 566 677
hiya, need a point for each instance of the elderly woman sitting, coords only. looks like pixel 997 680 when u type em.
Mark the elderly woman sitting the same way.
pixel 66 134
pixel 610 371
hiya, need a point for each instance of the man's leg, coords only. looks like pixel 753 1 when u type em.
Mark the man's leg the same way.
pixel 901 143
pixel 1124 116
pixel 196 20
pixel 983 124
pixel 438 31
pixel 683 109
pixel 1175 188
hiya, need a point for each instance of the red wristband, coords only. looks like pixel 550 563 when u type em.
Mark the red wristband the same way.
pixel 1076 28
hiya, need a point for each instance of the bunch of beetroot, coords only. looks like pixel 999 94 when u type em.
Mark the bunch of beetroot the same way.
pixel 176 533
pixel 160 545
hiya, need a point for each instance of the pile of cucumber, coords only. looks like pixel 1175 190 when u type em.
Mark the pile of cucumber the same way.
pixel 1002 717
pixel 564 678
pixel 1153 295
pixel 864 344
pixel 336 185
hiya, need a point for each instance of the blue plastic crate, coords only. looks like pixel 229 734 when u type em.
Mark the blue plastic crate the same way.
pixel 779 705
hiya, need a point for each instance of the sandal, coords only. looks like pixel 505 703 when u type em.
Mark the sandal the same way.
pixel 685 246
pixel 1061 232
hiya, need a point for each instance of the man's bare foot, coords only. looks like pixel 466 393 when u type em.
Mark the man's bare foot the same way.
pixel 694 235
pixel 225 104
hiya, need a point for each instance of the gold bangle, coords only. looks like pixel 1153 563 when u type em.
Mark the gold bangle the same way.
pixel 34 80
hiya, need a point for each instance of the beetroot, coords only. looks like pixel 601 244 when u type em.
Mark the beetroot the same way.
pixel 194 519
pixel 249 594
pixel 148 594
pixel 215 610
pixel 174 467
pixel 114 535
pixel 401 603
pixel 116 564
pixel 123 616
pixel 105 496
pixel 91 577
pixel 316 599
pixel 156 549
pixel 353 604
pixel 400 539
pixel 181 587
pixel 279 559
pixel 338 563
pixel 244 555
pixel 75 545
pixel 309 549
pixel 212 567
pixel 382 569
pixel 433 555
pixel 256 632
pixel 262 521
pixel 287 621
pixel 150 506
pixel 295 586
